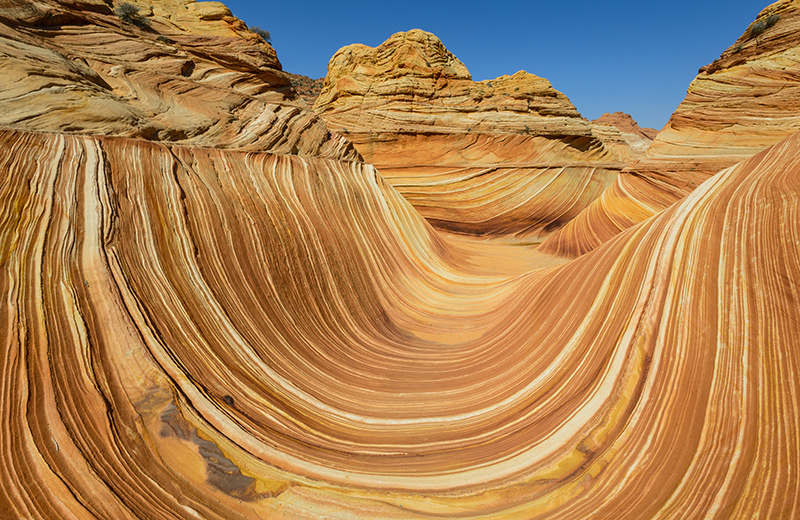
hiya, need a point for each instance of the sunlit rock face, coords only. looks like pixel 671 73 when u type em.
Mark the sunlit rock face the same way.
pixel 620 132
pixel 224 334
pixel 173 76
pixel 205 331
pixel 508 157
pixel 742 103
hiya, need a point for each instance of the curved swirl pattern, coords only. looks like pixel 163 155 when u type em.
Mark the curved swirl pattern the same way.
pixel 195 332
pixel 739 105
pixel 509 157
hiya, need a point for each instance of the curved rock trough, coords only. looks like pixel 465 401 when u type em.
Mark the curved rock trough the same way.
pixel 195 328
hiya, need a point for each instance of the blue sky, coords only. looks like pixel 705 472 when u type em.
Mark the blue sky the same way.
pixel 638 57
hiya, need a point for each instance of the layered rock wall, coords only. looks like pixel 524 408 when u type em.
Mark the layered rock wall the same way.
pixel 508 157
pixel 209 332
pixel 744 102
pixel 245 335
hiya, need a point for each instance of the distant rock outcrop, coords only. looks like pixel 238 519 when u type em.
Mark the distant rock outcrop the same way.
pixel 412 84
pixel 740 104
pixel 308 89
pixel 509 156
pixel 626 124
pixel 620 132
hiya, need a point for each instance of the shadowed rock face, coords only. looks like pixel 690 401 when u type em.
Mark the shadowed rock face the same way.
pixel 207 332
pixel 509 157
pixel 744 102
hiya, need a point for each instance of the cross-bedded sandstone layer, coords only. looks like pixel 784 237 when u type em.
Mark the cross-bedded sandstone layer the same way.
pixel 197 332
pixel 624 135
pixel 744 102
pixel 208 332
pixel 179 75
pixel 509 157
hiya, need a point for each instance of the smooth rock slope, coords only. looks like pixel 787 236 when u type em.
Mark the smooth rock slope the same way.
pixel 196 332
pixel 195 329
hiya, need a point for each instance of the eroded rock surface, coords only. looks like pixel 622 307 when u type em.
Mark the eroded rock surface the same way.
pixel 209 332
pixel 175 76
pixel 744 102
pixel 506 157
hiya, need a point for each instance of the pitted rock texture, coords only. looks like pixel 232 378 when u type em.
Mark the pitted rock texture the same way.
pixel 509 157
pixel 744 102
pixel 412 84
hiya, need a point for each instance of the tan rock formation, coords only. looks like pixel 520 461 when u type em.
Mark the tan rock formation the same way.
pixel 217 333
pixel 742 103
pixel 246 335
pixel 626 124
pixel 178 77
pixel 619 132
pixel 509 157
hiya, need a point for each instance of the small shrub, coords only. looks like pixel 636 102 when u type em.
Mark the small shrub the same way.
pixel 757 28
pixel 738 49
pixel 772 20
pixel 760 26
pixel 163 39
pixel 129 13
pixel 261 32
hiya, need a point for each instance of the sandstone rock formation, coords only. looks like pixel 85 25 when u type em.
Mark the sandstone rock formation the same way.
pixel 179 77
pixel 626 124
pixel 195 330
pixel 627 140
pixel 308 89
pixel 742 103
pixel 509 157
pixel 619 130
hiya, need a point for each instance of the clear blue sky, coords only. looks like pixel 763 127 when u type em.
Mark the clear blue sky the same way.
pixel 638 57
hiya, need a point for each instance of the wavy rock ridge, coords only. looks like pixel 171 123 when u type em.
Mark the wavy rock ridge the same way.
pixel 230 333
pixel 744 102
pixel 206 332
pixel 508 157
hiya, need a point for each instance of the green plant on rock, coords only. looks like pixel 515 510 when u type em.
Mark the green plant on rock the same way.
pixel 772 20
pixel 261 32
pixel 129 13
